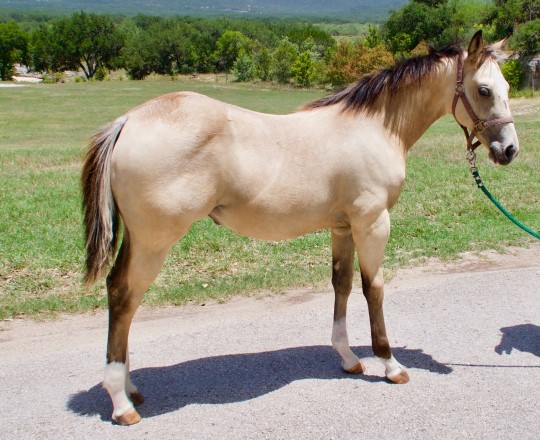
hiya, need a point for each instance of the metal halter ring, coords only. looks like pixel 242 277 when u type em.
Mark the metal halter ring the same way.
pixel 479 126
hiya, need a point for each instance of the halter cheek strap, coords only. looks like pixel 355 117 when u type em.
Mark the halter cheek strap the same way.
pixel 479 125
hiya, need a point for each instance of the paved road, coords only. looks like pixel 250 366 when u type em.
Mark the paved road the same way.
pixel 262 368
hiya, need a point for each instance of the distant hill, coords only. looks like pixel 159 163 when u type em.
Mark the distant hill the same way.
pixel 345 9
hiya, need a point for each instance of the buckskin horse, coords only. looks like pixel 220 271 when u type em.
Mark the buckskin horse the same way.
pixel 337 163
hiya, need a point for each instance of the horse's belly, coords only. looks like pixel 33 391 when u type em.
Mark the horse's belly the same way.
pixel 268 226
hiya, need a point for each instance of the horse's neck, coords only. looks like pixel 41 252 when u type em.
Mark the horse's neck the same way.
pixel 415 107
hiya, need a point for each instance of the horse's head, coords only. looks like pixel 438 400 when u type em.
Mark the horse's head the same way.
pixel 485 110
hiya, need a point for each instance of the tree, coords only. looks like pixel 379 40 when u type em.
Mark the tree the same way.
pixel 283 58
pixel 319 41
pixel 463 17
pixel 263 63
pixel 373 59
pixel 244 68
pixel 531 10
pixel 13 48
pixel 431 3
pixel 139 55
pixel 85 41
pixel 414 22
pixel 230 46
pixel 303 70
pixel 436 22
pixel 526 39
pixel 352 60
pixel 172 42
pixel 338 72
pixel 373 37
pixel 42 48
pixel 506 14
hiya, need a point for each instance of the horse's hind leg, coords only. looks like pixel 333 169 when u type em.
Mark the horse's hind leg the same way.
pixel 342 278
pixel 135 268
pixel 371 243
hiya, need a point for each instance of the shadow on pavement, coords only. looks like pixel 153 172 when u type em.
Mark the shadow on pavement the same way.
pixel 236 378
pixel 524 337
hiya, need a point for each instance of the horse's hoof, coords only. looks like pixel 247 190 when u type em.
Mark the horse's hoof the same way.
pixel 129 418
pixel 136 398
pixel 402 377
pixel 359 368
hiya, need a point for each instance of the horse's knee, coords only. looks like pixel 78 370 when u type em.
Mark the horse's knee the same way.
pixel 372 286
pixel 342 282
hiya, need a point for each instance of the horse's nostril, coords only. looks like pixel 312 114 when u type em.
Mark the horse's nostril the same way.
pixel 510 151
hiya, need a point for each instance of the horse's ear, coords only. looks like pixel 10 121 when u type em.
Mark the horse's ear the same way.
pixel 499 45
pixel 475 47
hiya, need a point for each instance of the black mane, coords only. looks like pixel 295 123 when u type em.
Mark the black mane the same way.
pixel 363 94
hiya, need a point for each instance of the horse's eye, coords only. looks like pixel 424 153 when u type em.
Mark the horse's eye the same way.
pixel 484 91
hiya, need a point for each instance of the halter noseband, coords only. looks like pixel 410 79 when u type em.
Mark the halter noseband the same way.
pixel 479 125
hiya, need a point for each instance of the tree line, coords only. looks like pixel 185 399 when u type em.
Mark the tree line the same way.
pixel 287 52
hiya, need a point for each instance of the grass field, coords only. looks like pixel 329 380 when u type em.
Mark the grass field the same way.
pixel 43 132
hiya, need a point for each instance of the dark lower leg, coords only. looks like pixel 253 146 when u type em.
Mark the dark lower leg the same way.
pixel 374 296
pixel 373 291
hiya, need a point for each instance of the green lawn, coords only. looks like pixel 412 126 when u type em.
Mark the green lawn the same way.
pixel 43 132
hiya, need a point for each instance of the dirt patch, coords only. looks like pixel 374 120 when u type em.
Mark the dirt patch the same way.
pixel 482 261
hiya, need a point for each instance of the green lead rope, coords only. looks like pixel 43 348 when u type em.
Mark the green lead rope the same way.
pixel 480 184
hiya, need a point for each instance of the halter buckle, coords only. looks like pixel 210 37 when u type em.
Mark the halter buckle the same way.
pixel 460 89
pixel 479 126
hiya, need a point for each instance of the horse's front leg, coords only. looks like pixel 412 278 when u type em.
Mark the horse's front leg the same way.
pixel 371 243
pixel 342 278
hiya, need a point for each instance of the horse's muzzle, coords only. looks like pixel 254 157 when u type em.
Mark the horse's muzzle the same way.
pixel 503 154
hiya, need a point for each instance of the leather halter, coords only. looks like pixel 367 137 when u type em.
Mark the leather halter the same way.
pixel 479 125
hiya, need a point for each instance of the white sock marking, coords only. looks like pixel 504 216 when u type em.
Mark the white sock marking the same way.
pixel 115 383
pixel 392 367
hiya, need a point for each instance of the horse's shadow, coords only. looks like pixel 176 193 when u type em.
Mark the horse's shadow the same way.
pixel 236 378
pixel 524 337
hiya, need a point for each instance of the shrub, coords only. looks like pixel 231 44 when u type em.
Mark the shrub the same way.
pixel 244 68
pixel 54 78
pixel 513 73
pixel 101 74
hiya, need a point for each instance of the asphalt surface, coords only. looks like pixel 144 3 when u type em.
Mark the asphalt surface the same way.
pixel 262 368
